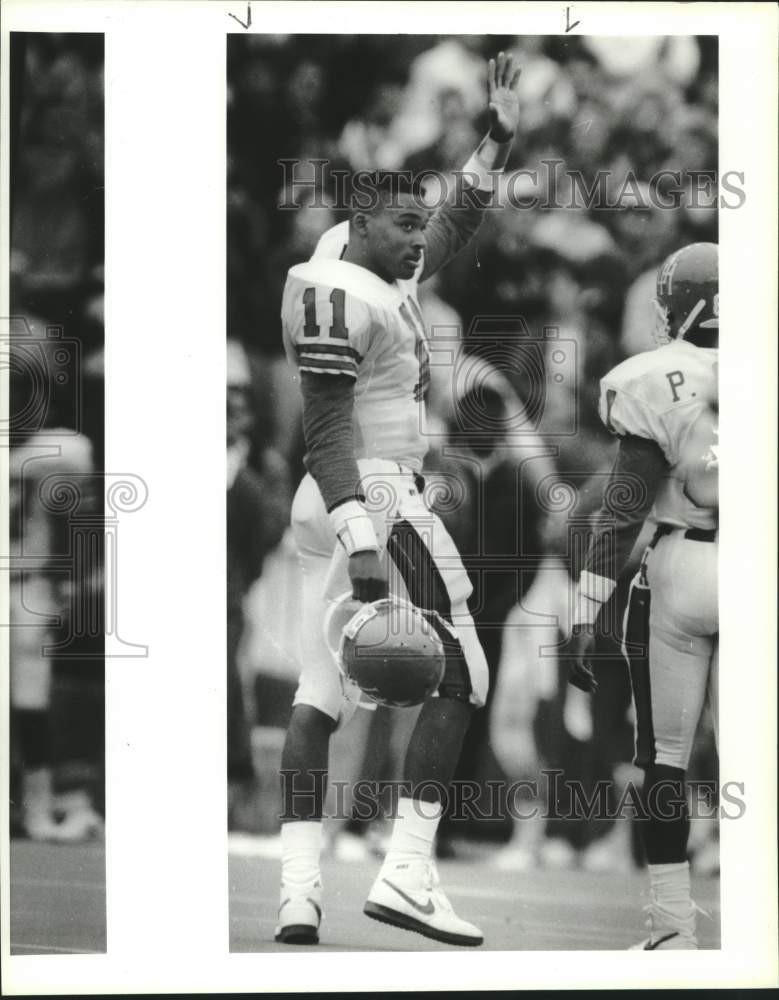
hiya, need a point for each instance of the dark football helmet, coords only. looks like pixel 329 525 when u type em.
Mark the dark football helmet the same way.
pixel 390 650
pixel 687 299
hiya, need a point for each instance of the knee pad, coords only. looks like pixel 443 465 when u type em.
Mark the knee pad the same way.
pixel 325 698
pixel 340 700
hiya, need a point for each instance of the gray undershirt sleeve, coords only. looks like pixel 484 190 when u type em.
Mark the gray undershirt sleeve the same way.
pixel 452 227
pixel 328 427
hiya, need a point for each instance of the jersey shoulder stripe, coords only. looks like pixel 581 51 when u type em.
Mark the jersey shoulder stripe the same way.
pixel 318 357
pixel 331 349
pixel 327 366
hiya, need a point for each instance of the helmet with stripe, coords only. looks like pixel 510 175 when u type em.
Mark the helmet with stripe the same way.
pixel 389 648
pixel 687 296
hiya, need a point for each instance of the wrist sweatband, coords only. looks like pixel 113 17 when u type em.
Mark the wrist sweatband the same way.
pixel 353 527
pixel 591 594
pixel 487 162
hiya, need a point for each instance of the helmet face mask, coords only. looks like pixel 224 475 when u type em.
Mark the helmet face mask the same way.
pixel 392 652
pixel 661 328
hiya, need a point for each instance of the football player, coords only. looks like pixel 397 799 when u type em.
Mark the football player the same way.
pixel 354 333
pixel 37 537
pixel 662 404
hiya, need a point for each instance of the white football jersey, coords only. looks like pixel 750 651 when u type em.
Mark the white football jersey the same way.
pixel 341 319
pixel 661 395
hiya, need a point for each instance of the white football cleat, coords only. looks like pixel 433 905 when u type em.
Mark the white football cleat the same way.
pixel 81 821
pixel 300 914
pixel 80 824
pixel 410 897
pixel 668 932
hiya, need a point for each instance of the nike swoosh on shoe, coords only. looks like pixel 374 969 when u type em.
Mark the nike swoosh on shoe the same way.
pixel 427 909
pixel 651 945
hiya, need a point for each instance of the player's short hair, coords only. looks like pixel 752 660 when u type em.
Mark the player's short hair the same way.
pixel 372 191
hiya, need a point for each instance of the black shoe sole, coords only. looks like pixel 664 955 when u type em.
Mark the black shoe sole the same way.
pixel 387 916
pixel 298 934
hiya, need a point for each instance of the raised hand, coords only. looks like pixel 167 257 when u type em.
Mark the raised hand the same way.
pixel 502 97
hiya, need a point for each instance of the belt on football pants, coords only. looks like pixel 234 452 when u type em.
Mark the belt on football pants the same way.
pixel 691 534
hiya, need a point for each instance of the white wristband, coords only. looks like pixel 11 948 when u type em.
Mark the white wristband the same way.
pixel 487 163
pixel 477 170
pixel 354 527
pixel 585 610
pixel 597 588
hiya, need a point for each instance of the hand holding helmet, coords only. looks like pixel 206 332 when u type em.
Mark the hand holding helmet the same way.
pixel 389 648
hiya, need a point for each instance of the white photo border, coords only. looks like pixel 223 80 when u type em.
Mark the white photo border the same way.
pixel 167 887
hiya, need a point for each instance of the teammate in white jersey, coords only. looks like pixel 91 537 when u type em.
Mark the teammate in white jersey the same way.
pixel 354 332
pixel 663 406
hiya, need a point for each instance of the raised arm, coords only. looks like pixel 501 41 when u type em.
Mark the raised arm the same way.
pixel 456 221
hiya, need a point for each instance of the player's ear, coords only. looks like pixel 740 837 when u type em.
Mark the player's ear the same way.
pixel 359 223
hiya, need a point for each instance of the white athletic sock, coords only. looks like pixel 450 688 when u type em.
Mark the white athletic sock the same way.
pixel 413 832
pixel 301 843
pixel 671 888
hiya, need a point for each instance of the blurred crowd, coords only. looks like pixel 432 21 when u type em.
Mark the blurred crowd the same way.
pixel 631 107
pixel 54 343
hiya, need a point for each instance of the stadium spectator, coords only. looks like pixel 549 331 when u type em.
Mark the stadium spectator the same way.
pixel 41 600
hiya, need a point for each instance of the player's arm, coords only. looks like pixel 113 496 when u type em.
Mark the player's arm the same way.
pixel 628 496
pixel 328 427
pixel 455 223
pixel 326 335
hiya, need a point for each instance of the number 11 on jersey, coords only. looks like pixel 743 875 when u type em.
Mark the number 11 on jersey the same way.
pixel 338 301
